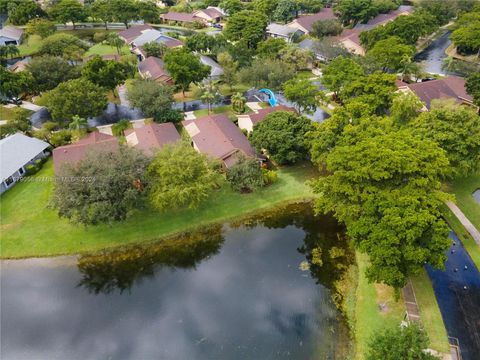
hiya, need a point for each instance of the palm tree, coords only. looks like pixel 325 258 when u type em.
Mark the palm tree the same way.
pixel 77 123
pixel 238 103
pixel 114 40
pixel 210 95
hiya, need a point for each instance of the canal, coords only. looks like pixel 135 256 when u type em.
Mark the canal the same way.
pixel 259 289
pixel 457 290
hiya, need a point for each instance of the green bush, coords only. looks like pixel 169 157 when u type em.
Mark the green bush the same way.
pixel 269 176
pixel 99 37
pixel 31 169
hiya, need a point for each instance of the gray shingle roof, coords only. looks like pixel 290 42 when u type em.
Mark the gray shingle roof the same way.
pixel 11 32
pixel 16 151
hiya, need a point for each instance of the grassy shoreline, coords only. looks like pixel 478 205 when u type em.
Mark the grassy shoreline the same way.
pixel 30 229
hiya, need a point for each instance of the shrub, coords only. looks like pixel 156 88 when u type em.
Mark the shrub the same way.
pixel 269 176
pixel 99 37
pixel 31 169
pixel 246 175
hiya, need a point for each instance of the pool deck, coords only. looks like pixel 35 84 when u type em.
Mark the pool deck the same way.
pixel 465 222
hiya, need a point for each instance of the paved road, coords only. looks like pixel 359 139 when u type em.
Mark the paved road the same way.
pixel 465 222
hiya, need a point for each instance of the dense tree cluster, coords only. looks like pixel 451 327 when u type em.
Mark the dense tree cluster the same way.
pixel 466 36
pixel 154 99
pixel 104 187
pixel 360 11
pixel 282 135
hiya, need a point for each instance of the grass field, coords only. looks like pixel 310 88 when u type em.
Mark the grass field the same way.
pixel 463 189
pixel 430 315
pixel 30 46
pixel 30 229
pixel 104 49
pixel 368 316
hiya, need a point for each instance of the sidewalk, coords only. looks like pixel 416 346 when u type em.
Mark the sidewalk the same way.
pixel 465 222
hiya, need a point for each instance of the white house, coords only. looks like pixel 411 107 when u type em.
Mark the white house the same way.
pixel 11 35
pixel 216 71
pixel 16 152
pixel 285 32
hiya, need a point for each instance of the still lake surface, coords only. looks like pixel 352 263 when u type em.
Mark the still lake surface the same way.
pixel 239 291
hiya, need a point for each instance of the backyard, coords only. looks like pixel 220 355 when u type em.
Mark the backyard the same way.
pixel 30 229
pixel 463 189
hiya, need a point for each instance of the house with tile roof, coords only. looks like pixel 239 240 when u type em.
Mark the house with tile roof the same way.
pixel 305 22
pixel 16 152
pixel 248 121
pixel 153 68
pixel 383 19
pixel 450 87
pixel 211 14
pixel 73 153
pixel 219 138
pixel 152 137
pixel 133 32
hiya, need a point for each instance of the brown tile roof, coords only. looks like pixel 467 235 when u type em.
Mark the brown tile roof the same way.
pixel 212 13
pixel 176 16
pixel 152 137
pixel 450 87
pixel 153 68
pixel 350 34
pixel 261 114
pixel 382 19
pixel 218 137
pixel 72 154
pixel 307 21
pixel 133 32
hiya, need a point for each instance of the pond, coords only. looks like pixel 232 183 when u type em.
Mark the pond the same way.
pixel 433 55
pixel 476 195
pixel 263 288
pixel 457 290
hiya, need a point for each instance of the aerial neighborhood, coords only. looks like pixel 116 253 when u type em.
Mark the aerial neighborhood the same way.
pixel 318 160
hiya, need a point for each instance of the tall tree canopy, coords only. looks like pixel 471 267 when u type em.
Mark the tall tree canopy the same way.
pixel 456 129
pixel 399 343
pixel 105 187
pixel 75 97
pixel 391 53
pixel 340 72
pixel 154 99
pixel 41 27
pixel 302 93
pixel 49 71
pixel 65 45
pixel 106 73
pixel 180 176
pixel 247 26
pixel 185 68
pixel 66 11
pixel 385 186
pixel 13 84
pixel 473 87
pixel 21 11
pixel 282 135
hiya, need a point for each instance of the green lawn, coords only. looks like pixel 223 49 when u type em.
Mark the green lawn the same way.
pixel 463 189
pixel 468 242
pixel 30 46
pixel 368 316
pixel 30 229
pixel 104 49
pixel 430 315
pixel 227 109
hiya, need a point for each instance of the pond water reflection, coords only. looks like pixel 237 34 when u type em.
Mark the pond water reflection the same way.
pixel 259 289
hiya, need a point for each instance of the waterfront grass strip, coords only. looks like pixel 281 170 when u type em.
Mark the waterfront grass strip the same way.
pixel 30 229
pixel 376 308
pixel 463 189
pixel 430 315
